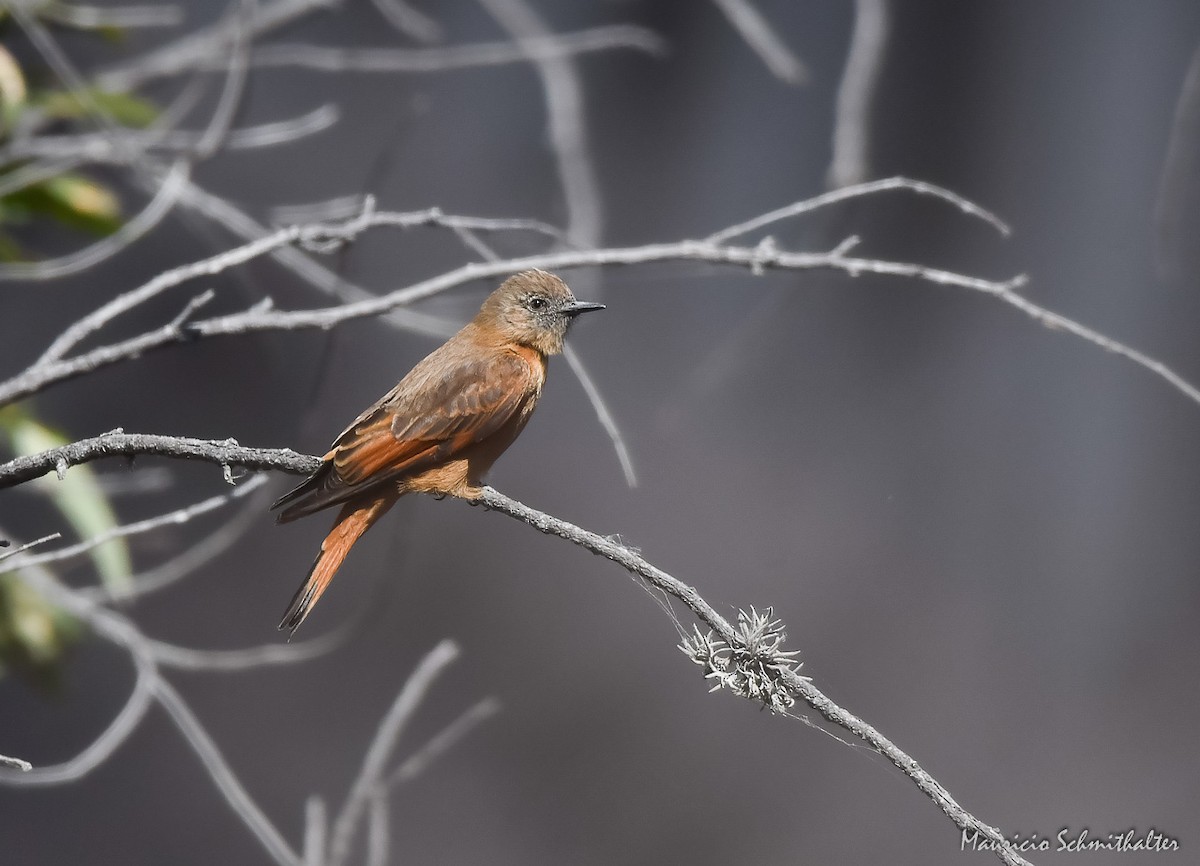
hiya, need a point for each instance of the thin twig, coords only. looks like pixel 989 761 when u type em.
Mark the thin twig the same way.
pixel 120 17
pixel 260 318
pixel 121 632
pixel 171 518
pixel 605 416
pixel 214 763
pixel 149 686
pixel 851 162
pixel 240 13
pixel 1178 183
pixel 563 92
pixel 442 742
pixel 225 453
pixel 370 775
pixel 410 21
pixel 200 46
pixel 136 227
pixel 102 748
pixel 342 207
pixel 249 658
pixel 6 554
pixel 94 147
pixel 757 33
pixel 315 828
pixel 279 132
pixel 382 746
pixel 187 561
pixel 378 829
pixel 323 58
pixel 35 378
pixel 859 190
pixel 757 258
pixel 800 686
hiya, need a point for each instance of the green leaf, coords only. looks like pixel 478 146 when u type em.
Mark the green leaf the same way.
pixel 78 497
pixel 34 634
pixel 71 199
pixel 12 89
pixel 125 108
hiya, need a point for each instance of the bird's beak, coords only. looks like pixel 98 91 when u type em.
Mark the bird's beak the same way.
pixel 576 307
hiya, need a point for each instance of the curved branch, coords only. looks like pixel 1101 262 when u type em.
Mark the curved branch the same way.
pixel 225 453
pixel 783 671
pixel 800 687
pixel 480 54
pixel 155 211
pixel 102 748
pixel 223 776
pixel 374 765
pixel 171 518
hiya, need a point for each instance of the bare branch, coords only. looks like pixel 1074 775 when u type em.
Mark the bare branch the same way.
pixel 278 132
pixel 442 742
pixel 199 47
pixel 382 746
pixel 94 147
pixel 102 748
pixel 214 763
pixel 225 453
pixel 870 188
pixel 315 827
pixel 240 12
pixel 121 17
pixel 186 562
pixel 6 554
pixel 757 258
pixel 1178 183
pixel 378 830
pixel 131 230
pixel 70 77
pixel 555 47
pixel 851 161
pixel 252 658
pixel 799 686
pixel 369 779
pixel 262 318
pixel 177 517
pixel 607 421
pixel 97 319
pixel 150 686
pixel 568 127
pixel 757 33
pixel 38 376
pixel 1061 323
pixel 340 207
pixel 410 21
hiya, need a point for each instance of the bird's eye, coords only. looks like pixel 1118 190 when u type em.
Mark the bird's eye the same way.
pixel 537 303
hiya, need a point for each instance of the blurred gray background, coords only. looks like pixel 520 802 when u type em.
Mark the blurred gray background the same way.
pixel 981 533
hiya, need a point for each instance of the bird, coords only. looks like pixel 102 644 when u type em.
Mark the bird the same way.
pixel 443 425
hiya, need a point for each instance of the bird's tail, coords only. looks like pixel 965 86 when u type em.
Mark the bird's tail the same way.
pixel 353 520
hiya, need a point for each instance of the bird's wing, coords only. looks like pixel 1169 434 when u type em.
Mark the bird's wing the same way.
pixel 432 415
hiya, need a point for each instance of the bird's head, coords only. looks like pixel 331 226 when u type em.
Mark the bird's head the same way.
pixel 533 308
